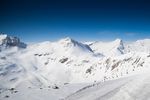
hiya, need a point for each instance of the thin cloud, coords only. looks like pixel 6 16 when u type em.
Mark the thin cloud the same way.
pixel 108 32
pixel 131 34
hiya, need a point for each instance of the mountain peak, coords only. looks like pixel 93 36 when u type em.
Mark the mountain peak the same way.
pixel 118 40
pixel 67 40
pixel 10 41
pixel 73 45
pixel 119 45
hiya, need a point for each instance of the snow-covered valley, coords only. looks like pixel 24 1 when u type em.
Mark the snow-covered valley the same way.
pixel 71 70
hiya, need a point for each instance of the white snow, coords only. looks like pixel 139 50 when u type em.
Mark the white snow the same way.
pixel 71 70
pixel 2 37
pixel 130 88
pixel 114 48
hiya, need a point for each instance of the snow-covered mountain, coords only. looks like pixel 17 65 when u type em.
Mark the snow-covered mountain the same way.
pixel 139 46
pixel 10 41
pixel 108 48
pixel 67 65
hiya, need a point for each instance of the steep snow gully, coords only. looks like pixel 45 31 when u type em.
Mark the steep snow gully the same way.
pixel 72 70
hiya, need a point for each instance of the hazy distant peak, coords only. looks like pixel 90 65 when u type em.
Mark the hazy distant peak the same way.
pixel 118 40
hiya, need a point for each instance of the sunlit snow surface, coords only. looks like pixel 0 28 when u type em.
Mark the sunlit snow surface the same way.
pixel 71 70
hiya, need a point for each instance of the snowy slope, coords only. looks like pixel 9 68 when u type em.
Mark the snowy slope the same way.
pixel 139 46
pixel 46 64
pixel 130 88
pixel 113 48
pixel 67 65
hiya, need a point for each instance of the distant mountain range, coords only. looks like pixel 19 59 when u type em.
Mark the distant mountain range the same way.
pixel 67 61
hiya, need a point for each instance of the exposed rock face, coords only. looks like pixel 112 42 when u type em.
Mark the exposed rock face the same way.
pixel 10 41
pixel 120 45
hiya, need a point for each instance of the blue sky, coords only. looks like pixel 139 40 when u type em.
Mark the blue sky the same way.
pixel 40 20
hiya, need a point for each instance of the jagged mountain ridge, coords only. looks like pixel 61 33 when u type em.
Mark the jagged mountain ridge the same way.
pixel 69 61
pixel 10 41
